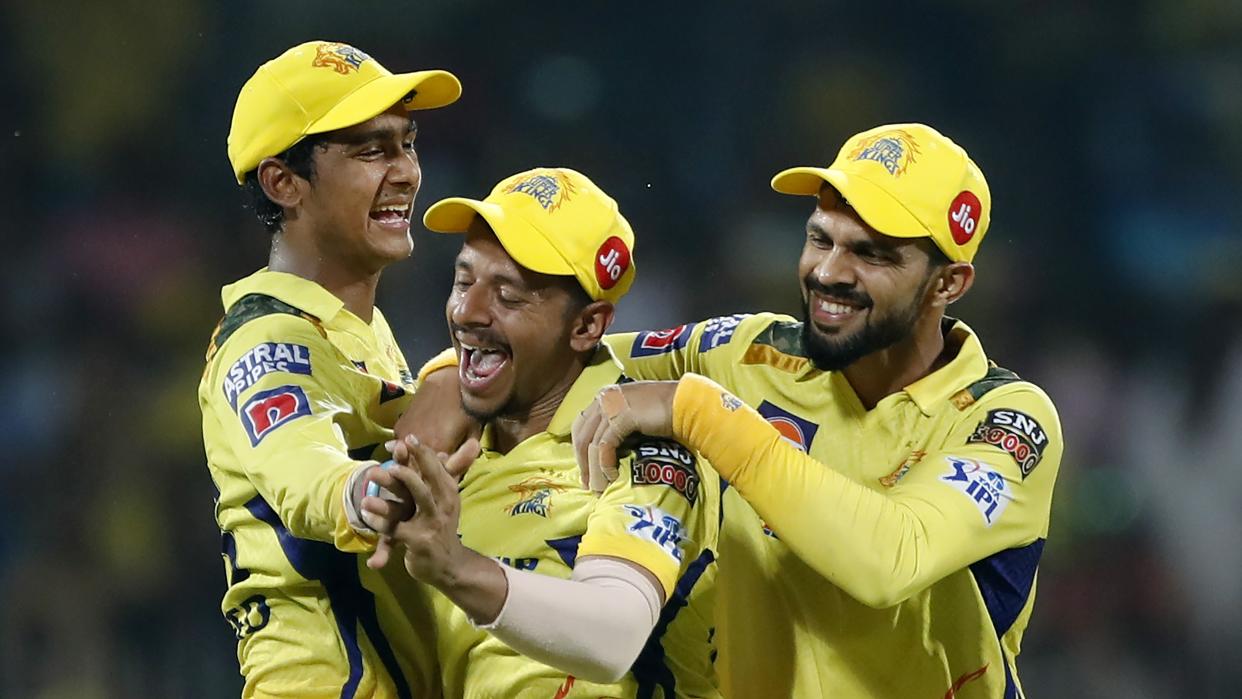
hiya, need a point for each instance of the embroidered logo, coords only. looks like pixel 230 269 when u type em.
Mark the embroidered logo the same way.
pixel 534 496
pixel 900 472
pixel 342 58
pixel 550 188
pixel 896 150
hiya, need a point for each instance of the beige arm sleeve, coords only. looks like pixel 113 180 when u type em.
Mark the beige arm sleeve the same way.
pixel 591 626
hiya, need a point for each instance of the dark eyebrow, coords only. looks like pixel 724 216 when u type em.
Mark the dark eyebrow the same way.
pixel 501 279
pixel 380 134
pixel 870 246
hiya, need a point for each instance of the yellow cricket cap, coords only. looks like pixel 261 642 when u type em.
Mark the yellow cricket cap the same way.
pixel 552 221
pixel 906 181
pixel 322 86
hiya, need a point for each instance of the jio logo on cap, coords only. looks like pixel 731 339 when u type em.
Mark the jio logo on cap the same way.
pixel 611 261
pixel 964 215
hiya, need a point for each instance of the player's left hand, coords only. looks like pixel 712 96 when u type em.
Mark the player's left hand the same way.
pixel 616 413
pixel 388 515
pixel 433 549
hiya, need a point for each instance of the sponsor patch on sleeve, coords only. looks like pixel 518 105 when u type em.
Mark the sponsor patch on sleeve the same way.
pixel 650 343
pixel 1015 433
pixel 719 331
pixel 668 464
pixel 979 482
pixel 270 410
pixel 261 360
pixel 658 527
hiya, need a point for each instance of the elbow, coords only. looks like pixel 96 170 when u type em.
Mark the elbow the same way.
pixel 607 669
pixel 879 598
pixel 876 587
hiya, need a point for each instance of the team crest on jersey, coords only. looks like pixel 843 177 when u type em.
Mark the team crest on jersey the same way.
pixel 896 150
pixel 261 360
pixel 1015 433
pixel 342 58
pixel 900 472
pixel 550 188
pixel 652 524
pixel 984 486
pixel 795 430
pixel 268 411
pixel 534 496
pixel 649 343
pixel 669 464
pixel 718 331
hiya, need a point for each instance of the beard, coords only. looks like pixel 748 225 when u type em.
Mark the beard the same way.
pixel 834 352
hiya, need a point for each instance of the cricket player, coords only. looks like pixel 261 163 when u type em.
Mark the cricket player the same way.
pixel 607 596
pixel 304 380
pixel 888 486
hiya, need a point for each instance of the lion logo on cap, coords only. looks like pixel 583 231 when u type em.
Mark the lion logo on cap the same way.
pixel 550 188
pixel 895 150
pixel 342 58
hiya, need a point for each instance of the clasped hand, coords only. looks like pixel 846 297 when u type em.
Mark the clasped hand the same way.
pixel 616 413
pixel 424 515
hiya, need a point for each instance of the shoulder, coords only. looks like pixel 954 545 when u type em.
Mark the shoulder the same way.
pixel 1013 415
pixel 259 318
pixel 260 335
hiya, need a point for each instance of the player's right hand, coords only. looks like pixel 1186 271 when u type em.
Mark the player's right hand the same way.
pixel 435 416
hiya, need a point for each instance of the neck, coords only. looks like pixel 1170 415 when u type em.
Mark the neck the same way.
pixel 890 370
pixel 355 288
pixel 510 430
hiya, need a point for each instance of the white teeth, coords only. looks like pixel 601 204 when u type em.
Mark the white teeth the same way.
pixel 394 207
pixel 836 308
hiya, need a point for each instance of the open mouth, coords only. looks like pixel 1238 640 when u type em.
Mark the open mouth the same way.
pixel 831 311
pixel 393 215
pixel 480 365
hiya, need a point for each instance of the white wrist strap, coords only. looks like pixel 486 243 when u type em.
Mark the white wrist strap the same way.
pixel 352 512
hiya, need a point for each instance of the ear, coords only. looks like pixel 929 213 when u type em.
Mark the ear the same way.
pixel 589 325
pixel 951 283
pixel 280 184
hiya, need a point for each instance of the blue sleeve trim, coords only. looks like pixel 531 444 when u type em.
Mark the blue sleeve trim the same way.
pixel 352 604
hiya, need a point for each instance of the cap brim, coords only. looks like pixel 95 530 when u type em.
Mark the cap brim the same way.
pixel 524 243
pixel 432 88
pixel 879 209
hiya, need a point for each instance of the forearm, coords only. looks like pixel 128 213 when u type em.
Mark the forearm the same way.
pixel 314 507
pixel 592 626
pixel 874 546
pixel 476 584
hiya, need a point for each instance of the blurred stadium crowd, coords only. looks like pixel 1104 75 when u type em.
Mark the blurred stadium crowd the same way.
pixel 1109 132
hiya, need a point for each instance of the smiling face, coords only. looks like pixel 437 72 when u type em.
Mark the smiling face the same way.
pixel 355 209
pixel 862 291
pixel 519 335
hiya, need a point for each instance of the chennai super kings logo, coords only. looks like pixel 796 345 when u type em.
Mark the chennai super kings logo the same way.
pixel 550 188
pixel 534 496
pixel 339 57
pixel 895 150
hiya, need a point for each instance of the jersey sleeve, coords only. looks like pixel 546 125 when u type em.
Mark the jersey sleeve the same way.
pixel 710 347
pixel 661 513
pixel 276 389
pixel 979 494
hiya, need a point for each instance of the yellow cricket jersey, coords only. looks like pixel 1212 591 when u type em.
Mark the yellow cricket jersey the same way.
pixel 528 510
pixel 296 392
pixel 897 560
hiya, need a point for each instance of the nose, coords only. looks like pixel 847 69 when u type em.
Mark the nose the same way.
pixel 404 170
pixel 469 307
pixel 835 266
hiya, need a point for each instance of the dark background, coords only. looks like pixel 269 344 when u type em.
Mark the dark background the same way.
pixel 1109 133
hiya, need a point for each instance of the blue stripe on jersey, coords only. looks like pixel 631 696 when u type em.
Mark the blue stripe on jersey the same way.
pixel 1005 580
pixel 566 548
pixel 650 669
pixel 351 603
